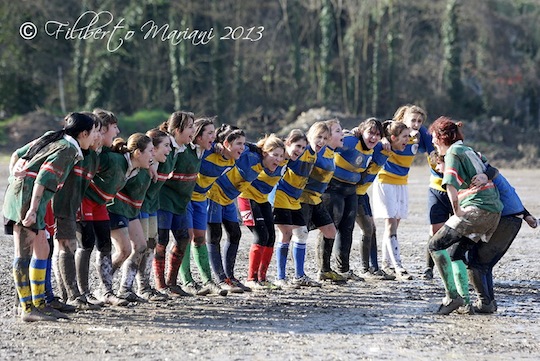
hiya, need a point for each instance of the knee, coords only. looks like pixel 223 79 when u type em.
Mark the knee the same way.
pixel 234 232
pixel 140 248
pixel 199 241
pixel 300 235
pixel 151 243
pixel 159 251
pixel 122 254
pixel 285 235
pixel 215 233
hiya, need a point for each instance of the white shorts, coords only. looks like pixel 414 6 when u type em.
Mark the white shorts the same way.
pixel 390 200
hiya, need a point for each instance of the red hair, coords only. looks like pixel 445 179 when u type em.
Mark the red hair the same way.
pixel 446 130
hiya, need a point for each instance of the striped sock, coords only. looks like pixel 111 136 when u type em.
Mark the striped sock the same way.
pixel 38 272
pixel 22 282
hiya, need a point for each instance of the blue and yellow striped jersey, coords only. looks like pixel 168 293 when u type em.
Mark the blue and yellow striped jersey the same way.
pixel 320 176
pixel 290 187
pixel 351 160
pixel 261 187
pixel 396 170
pixel 229 186
pixel 213 165
pixel 380 157
pixel 435 178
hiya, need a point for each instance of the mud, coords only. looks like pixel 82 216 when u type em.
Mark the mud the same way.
pixel 361 320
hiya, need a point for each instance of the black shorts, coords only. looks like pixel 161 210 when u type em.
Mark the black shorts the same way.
pixel 439 207
pixel 316 215
pixel 65 228
pixel 364 208
pixel 289 217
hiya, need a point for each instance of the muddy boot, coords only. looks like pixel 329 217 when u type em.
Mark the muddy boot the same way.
pixel 82 265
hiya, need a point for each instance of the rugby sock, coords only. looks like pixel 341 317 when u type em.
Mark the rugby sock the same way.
pixel 158 264
pixel 105 271
pixel 49 293
pixel 231 249
pixel 444 265
pixel 282 250
pixel 373 253
pixel 22 282
pixel 462 279
pixel 200 254
pixel 265 262
pixel 145 270
pixel 215 261
pixel 58 275
pixel 129 270
pixel 173 264
pixel 328 245
pixel 299 256
pixel 185 267
pixel 66 266
pixel 255 256
pixel 82 265
pixel 480 284
pixel 38 274
pixel 395 251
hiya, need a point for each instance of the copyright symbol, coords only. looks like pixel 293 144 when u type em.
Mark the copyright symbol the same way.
pixel 28 30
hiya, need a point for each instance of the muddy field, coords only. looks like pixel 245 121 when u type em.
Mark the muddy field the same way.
pixel 362 320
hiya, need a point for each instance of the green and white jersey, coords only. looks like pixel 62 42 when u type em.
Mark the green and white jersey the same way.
pixel 176 192
pixel 461 165
pixel 129 199
pixel 68 199
pixel 49 168
pixel 114 171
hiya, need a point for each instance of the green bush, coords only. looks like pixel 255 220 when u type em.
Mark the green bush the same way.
pixel 140 121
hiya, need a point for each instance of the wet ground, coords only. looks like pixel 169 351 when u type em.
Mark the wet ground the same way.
pixel 379 320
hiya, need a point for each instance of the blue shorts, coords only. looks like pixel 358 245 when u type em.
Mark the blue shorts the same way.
pixel 198 214
pixel 439 207
pixel 144 215
pixel 171 221
pixel 118 221
pixel 217 213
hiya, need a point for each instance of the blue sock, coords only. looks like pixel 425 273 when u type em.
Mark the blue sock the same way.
pixel 49 293
pixel 282 250
pixel 373 256
pixel 214 254
pixel 299 255
pixel 230 251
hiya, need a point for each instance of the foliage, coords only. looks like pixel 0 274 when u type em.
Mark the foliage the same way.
pixel 459 58
pixel 141 121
